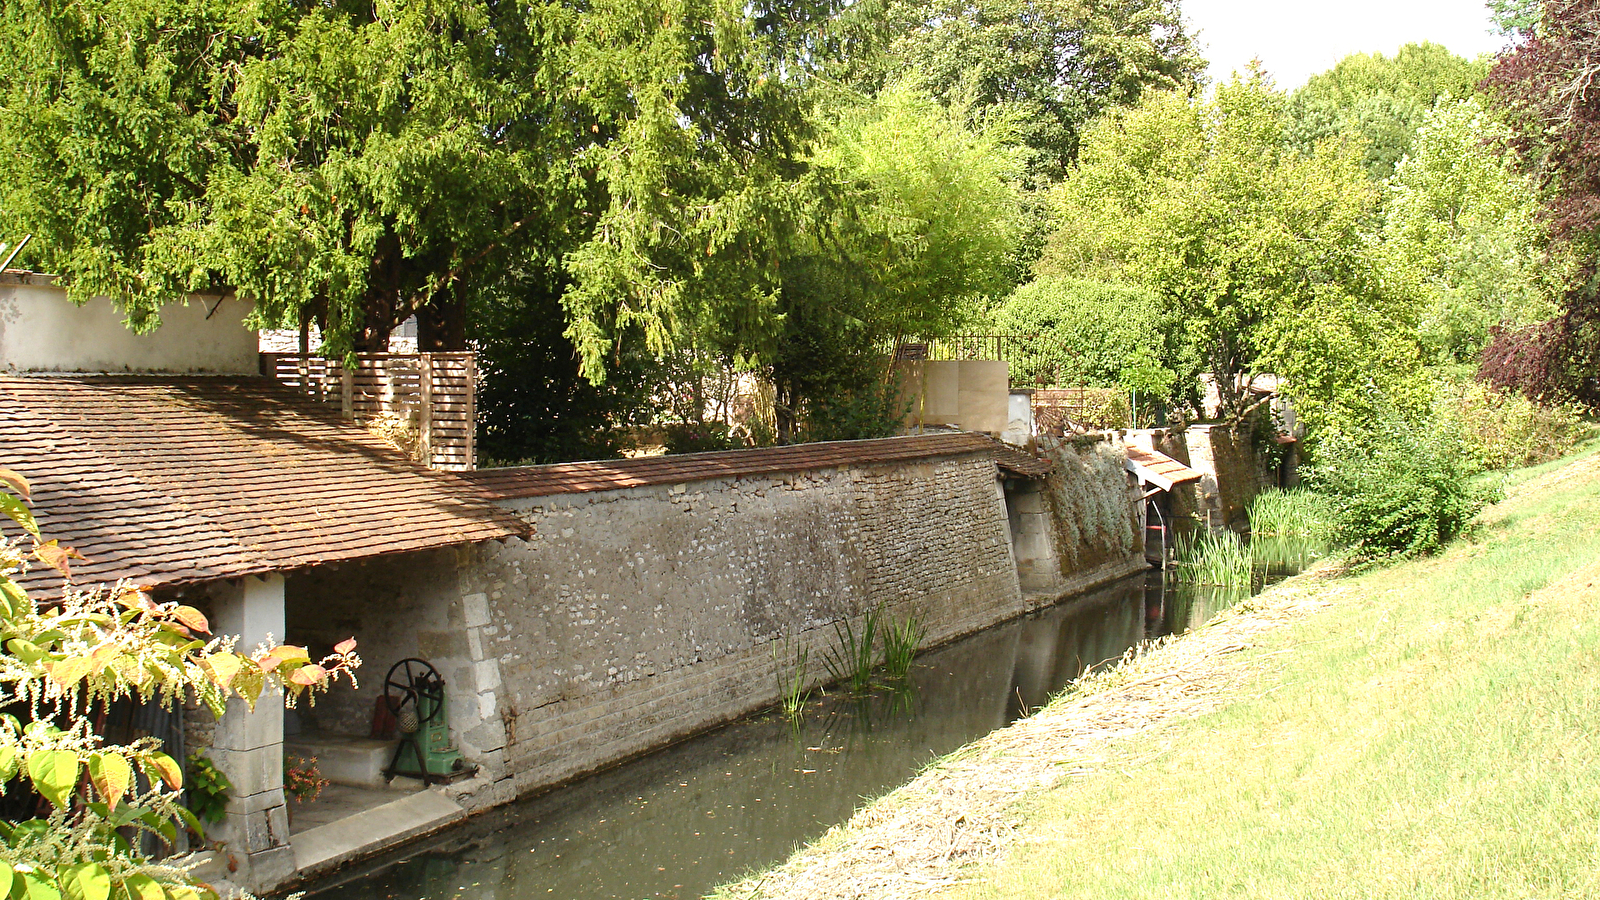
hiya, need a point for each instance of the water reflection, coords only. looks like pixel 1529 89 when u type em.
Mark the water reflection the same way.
pixel 680 821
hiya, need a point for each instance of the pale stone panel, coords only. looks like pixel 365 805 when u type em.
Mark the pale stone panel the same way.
pixel 41 331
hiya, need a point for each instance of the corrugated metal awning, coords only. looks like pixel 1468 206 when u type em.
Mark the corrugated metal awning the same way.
pixel 1158 469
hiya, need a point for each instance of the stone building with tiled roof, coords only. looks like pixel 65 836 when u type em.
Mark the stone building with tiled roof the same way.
pixel 168 463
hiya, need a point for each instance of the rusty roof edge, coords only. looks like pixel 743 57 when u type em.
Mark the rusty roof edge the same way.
pixel 501 484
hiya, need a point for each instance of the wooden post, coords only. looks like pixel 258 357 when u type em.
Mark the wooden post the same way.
pixel 471 460
pixel 347 391
pixel 425 412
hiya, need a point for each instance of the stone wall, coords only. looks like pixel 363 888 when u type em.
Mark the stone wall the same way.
pixel 1232 474
pixel 1093 510
pixel 635 617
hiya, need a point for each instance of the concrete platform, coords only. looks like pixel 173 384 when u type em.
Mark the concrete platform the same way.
pixel 349 822
pixel 342 759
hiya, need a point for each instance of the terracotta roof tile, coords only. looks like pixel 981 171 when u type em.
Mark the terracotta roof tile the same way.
pixel 180 480
pixel 607 475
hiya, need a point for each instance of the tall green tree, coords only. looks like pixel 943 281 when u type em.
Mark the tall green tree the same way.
pixel 1257 248
pixel 1054 65
pixel 1380 101
pixel 352 163
pixel 913 233
pixel 1461 224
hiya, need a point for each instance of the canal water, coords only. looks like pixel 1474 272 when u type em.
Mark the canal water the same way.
pixel 680 821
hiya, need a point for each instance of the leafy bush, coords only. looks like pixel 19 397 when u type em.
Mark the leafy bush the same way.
pixel 698 437
pixel 1401 487
pixel 874 410
pixel 91 647
pixel 1505 430
pixel 1088 332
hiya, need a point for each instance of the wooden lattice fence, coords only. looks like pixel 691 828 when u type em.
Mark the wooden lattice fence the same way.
pixel 432 395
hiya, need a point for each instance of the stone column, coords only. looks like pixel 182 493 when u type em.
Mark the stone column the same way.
pixel 248 746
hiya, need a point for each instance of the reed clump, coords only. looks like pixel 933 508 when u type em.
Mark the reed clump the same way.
pixel 1215 559
pixel 793 673
pixel 900 643
pixel 1293 513
pixel 854 661
pixel 851 663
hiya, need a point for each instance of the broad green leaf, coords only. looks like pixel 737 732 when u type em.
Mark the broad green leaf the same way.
pixel 8 878
pixel 249 683
pixel 309 675
pixel 191 821
pixel 168 770
pixel 54 774
pixel 162 825
pixel 143 887
pixel 12 597
pixel 89 881
pixel 27 651
pixel 18 511
pixel 8 769
pixel 284 653
pixel 111 776
pixel 68 672
pixel 39 886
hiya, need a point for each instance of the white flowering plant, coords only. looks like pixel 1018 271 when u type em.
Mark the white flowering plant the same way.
pixel 59 661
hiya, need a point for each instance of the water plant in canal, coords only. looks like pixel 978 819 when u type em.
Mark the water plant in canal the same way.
pixel 1219 559
pixel 1289 514
pixel 900 643
pixel 792 679
pixel 850 663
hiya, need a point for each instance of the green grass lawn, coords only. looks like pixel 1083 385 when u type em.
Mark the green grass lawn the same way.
pixel 1433 733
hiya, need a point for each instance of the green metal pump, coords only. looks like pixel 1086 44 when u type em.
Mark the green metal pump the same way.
pixel 414 693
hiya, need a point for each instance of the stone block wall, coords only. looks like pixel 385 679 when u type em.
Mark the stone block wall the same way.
pixel 1232 474
pixel 635 617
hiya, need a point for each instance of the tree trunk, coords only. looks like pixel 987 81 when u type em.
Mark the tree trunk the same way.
pixel 442 323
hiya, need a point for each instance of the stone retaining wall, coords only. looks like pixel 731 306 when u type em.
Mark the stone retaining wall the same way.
pixel 635 617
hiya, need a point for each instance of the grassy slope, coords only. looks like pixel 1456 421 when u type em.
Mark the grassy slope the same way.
pixel 1435 733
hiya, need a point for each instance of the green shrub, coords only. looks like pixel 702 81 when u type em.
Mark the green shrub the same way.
pixel 874 410
pixel 1505 430
pixel 1078 331
pixel 1399 487
pixel 697 437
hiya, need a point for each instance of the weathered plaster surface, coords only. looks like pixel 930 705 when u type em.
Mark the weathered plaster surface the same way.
pixel 42 331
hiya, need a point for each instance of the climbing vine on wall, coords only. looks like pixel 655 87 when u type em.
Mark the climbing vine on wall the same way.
pixel 1089 499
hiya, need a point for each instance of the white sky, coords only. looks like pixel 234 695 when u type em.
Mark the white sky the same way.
pixel 1296 39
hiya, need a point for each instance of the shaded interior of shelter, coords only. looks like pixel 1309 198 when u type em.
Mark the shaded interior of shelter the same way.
pixel 682 820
